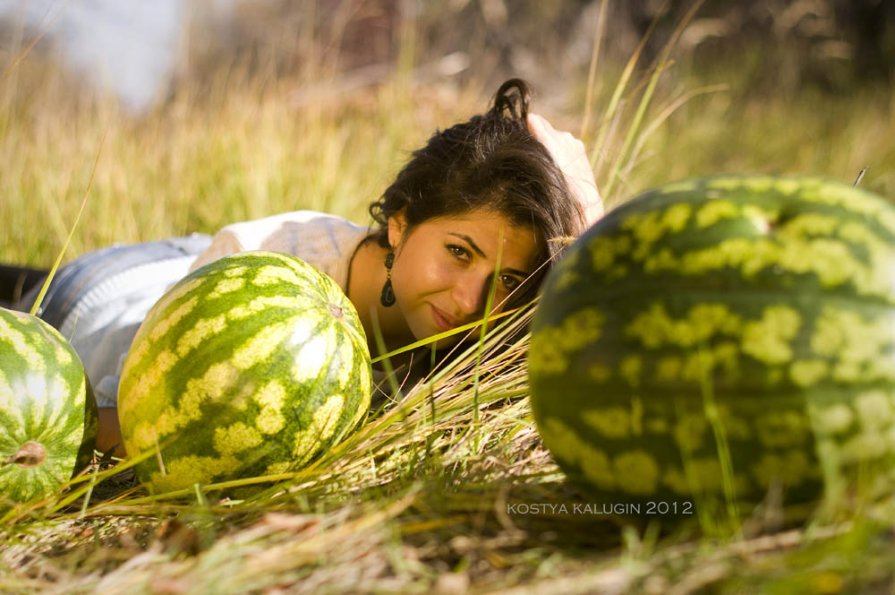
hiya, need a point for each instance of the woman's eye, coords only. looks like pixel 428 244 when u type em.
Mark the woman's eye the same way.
pixel 510 283
pixel 458 251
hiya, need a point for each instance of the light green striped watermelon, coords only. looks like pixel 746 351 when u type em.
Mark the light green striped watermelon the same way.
pixel 48 416
pixel 252 365
pixel 715 339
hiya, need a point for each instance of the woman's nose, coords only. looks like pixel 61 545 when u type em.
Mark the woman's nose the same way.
pixel 470 294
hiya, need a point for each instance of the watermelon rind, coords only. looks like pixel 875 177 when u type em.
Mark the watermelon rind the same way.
pixel 48 415
pixel 252 365
pixel 721 341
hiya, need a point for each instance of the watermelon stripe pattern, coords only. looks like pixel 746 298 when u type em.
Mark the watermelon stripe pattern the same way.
pixel 251 365
pixel 47 410
pixel 757 312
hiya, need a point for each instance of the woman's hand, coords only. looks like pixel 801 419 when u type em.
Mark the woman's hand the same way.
pixel 570 156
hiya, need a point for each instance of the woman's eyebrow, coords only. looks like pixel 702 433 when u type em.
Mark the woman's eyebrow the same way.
pixel 468 240
pixel 478 251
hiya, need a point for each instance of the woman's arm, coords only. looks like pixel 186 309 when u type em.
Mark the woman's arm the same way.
pixel 569 154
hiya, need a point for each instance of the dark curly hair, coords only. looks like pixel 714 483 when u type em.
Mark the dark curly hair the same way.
pixel 491 161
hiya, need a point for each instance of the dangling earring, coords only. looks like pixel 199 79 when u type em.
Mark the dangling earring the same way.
pixel 387 297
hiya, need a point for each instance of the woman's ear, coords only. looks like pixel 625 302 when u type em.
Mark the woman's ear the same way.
pixel 397 225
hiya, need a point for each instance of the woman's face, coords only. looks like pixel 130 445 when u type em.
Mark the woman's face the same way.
pixel 444 268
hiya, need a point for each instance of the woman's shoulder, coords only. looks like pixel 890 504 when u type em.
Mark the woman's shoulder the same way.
pixel 287 232
pixel 324 240
pixel 302 218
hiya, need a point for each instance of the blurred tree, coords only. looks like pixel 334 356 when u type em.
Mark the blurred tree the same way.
pixel 869 26
pixel 831 43
pixel 778 44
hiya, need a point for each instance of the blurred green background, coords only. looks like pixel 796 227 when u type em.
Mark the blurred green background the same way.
pixel 182 116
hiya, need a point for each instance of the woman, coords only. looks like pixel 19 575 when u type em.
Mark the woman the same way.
pixel 477 206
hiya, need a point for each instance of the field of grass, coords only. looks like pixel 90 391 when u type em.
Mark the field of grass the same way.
pixel 419 499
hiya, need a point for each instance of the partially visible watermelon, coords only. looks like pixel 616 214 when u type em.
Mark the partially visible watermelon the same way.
pixel 48 416
pixel 252 365
pixel 716 340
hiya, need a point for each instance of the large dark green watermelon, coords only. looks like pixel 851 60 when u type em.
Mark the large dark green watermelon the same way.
pixel 717 340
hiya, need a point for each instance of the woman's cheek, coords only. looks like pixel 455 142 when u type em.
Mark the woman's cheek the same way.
pixel 436 276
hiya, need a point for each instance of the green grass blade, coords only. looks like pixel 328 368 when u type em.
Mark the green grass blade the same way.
pixel 46 285
pixel 599 33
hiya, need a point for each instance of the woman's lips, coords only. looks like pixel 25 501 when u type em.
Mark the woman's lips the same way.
pixel 442 320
